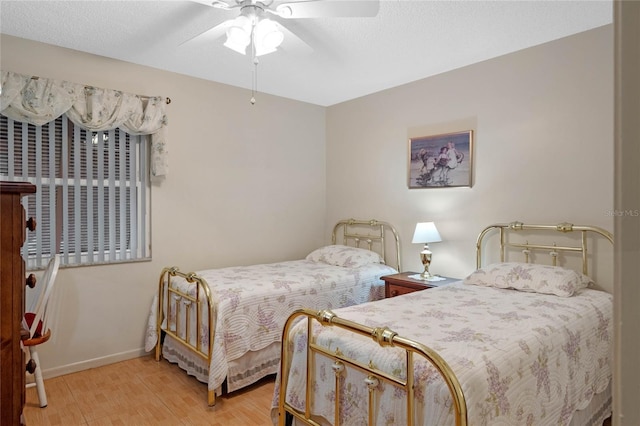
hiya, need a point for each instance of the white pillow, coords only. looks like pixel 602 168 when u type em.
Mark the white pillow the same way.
pixel 530 277
pixel 346 256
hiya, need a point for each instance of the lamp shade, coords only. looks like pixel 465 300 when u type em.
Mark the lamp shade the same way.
pixel 426 232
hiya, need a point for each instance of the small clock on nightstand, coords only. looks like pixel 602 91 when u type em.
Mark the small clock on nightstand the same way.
pixel 402 283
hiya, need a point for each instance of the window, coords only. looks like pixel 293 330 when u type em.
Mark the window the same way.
pixel 93 191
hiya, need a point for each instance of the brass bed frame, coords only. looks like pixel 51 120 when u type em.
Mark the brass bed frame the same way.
pixel 370 234
pixel 388 338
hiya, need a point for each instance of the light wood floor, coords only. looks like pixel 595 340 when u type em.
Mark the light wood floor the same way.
pixel 142 391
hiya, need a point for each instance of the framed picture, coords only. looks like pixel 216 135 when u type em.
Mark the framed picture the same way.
pixel 441 161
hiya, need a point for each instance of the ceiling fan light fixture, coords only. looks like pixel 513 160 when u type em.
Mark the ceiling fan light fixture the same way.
pixel 239 34
pixel 267 37
pixel 238 47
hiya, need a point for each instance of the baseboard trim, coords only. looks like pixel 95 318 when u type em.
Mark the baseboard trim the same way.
pixel 50 373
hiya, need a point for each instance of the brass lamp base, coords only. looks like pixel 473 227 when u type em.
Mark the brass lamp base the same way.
pixel 425 258
pixel 426 275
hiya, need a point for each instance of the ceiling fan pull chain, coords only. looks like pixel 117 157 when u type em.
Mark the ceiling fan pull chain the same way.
pixel 254 83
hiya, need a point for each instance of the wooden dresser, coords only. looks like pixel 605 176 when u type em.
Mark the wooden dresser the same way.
pixel 13 226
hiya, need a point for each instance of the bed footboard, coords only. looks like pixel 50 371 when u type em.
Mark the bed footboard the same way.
pixel 178 302
pixel 374 376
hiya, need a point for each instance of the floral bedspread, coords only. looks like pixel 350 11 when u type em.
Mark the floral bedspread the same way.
pixel 253 302
pixel 521 358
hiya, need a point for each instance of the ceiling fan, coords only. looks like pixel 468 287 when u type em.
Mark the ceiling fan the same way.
pixel 259 25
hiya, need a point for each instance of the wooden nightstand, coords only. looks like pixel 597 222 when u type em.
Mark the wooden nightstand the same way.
pixel 397 284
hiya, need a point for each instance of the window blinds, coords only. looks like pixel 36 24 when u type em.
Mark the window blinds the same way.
pixel 93 191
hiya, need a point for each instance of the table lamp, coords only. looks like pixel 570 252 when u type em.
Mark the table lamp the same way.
pixel 426 233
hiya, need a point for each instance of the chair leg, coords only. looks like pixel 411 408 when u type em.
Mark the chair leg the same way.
pixel 42 395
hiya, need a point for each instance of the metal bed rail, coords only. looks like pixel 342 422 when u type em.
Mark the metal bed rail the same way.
pixel 198 298
pixel 382 336
pixel 376 235
pixel 554 250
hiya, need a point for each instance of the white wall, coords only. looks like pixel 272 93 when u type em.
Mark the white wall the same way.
pixel 246 184
pixel 543 122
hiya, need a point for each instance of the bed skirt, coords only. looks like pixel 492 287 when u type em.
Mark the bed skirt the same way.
pixel 596 412
pixel 244 371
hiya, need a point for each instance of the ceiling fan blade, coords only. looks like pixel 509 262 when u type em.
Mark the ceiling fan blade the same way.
pixel 219 30
pixel 212 33
pixel 292 43
pixel 328 9
pixel 218 4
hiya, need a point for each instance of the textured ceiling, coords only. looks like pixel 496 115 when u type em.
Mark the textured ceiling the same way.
pixel 349 57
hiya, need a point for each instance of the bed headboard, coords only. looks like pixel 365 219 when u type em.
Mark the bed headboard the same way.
pixel 563 244
pixel 370 234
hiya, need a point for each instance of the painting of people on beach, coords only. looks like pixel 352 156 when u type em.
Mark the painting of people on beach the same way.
pixel 441 161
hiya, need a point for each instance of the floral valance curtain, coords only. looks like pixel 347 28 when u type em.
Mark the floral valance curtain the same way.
pixel 38 100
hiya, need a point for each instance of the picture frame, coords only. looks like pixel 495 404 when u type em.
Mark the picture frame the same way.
pixel 441 161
